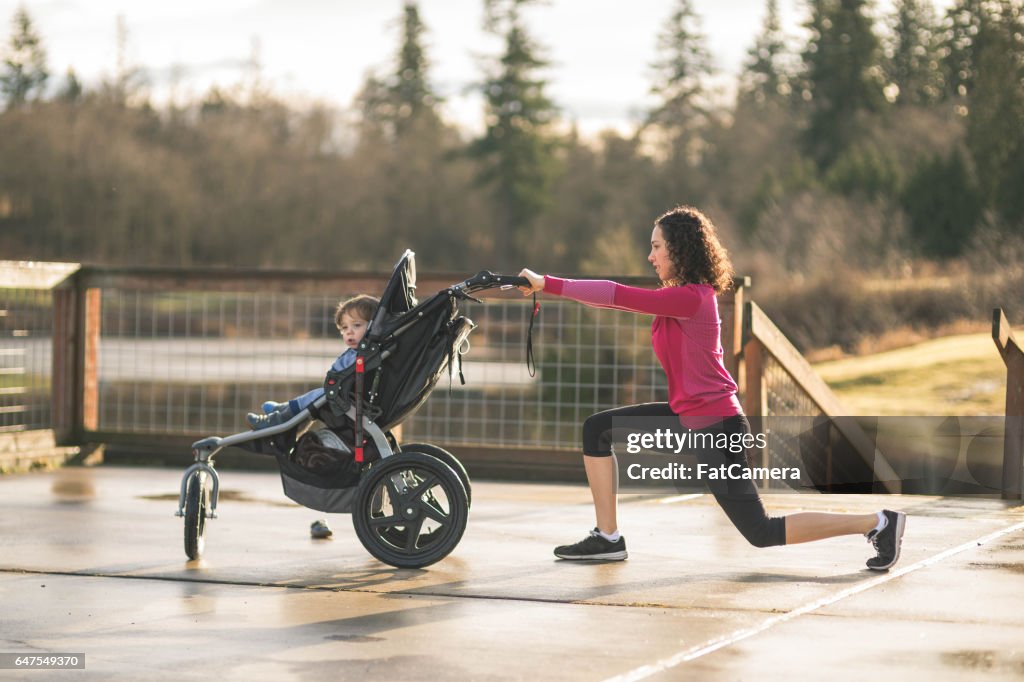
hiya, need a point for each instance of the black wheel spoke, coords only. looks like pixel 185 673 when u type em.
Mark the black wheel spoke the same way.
pixel 396 496
pixel 432 511
pixel 389 521
pixel 425 486
pixel 414 534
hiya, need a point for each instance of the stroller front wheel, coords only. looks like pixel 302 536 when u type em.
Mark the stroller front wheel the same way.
pixel 197 502
pixel 411 510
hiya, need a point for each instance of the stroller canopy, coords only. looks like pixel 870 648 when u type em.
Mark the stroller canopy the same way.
pixel 399 296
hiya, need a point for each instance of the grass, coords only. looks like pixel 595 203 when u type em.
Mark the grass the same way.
pixel 956 375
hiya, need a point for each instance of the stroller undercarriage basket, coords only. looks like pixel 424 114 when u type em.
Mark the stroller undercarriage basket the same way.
pixel 409 503
pixel 320 476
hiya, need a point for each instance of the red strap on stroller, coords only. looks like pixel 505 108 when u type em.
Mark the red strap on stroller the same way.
pixel 360 374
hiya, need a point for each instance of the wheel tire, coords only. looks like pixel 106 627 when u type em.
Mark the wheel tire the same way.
pixel 449 459
pixel 391 522
pixel 197 500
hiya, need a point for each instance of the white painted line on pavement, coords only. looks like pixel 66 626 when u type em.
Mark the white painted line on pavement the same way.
pixel 722 642
pixel 679 498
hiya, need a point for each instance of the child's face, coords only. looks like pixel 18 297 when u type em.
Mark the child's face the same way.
pixel 352 329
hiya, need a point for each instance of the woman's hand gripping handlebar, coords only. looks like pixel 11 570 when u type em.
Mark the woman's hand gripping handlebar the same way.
pixel 488 280
pixel 532 282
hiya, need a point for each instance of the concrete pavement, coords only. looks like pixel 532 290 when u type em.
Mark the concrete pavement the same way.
pixel 91 561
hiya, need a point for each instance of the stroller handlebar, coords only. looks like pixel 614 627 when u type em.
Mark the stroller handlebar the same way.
pixel 488 280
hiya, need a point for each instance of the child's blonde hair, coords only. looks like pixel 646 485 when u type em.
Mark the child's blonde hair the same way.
pixel 361 305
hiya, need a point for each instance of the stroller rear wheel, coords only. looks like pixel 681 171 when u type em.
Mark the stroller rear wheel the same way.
pixel 411 510
pixel 197 502
pixel 449 459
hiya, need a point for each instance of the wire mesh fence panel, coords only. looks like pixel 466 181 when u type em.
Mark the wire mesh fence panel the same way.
pixel 26 334
pixel 587 361
pixel 792 424
pixel 197 362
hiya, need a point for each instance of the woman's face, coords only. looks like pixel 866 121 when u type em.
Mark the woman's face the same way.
pixel 660 258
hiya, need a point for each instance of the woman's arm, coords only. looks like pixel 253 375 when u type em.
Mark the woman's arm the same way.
pixel 681 302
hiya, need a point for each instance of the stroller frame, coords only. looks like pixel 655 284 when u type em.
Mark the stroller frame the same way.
pixel 419 484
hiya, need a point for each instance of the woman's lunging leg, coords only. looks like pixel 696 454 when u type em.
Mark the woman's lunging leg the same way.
pixel 811 526
pixel 602 475
pixel 599 460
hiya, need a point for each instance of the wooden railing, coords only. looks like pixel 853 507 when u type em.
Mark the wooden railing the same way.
pixel 780 385
pixel 1013 438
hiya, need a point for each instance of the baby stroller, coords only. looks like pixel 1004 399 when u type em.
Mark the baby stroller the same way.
pixel 409 502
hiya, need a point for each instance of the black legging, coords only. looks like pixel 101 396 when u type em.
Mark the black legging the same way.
pixel 739 500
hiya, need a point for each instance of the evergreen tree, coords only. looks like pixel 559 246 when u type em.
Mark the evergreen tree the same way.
pixel 866 171
pixel 516 151
pixel 765 79
pixel 943 204
pixel 995 122
pixel 410 91
pixel 912 63
pixel 843 76
pixel 72 89
pixel 403 100
pixel 25 72
pixel 964 37
pixel 409 174
pixel 680 122
pixel 680 72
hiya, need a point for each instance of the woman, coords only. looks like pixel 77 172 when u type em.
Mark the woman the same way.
pixel 693 268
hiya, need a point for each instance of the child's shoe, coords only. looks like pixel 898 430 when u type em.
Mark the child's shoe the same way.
pixel 265 421
pixel 271 406
pixel 319 530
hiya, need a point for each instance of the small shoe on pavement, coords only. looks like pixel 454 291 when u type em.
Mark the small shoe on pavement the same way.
pixel 319 530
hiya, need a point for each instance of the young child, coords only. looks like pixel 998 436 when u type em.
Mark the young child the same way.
pixel 352 318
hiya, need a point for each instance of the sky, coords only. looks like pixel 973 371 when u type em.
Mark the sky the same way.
pixel 321 50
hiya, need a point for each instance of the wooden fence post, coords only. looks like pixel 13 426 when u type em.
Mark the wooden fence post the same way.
pixel 1013 438
pixel 75 349
pixel 754 389
pixel 90 360
pixel 65 362
pixel 732 327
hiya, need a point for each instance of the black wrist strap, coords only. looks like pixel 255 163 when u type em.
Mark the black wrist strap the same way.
pixel 531 361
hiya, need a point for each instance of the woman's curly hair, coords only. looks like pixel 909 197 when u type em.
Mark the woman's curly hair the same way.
pixel 694 248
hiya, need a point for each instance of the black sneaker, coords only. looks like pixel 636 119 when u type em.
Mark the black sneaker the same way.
pixel 887 541
pixel 593 548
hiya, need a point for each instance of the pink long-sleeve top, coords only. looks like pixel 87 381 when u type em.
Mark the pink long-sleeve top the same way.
pixel 686 335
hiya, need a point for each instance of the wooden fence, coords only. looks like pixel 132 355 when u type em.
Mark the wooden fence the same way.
pixel 776 382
